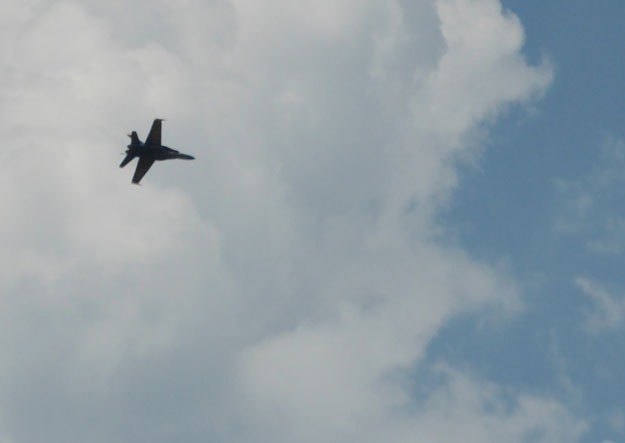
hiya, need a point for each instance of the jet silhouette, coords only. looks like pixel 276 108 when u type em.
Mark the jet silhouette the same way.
pixel 150 151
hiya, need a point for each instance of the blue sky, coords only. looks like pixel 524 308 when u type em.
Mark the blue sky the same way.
pixel 510 208
pixel 403 222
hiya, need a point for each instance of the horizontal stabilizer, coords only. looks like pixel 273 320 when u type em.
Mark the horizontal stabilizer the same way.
pixel 127 160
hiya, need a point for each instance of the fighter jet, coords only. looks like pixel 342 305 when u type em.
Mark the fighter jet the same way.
pixel 149 151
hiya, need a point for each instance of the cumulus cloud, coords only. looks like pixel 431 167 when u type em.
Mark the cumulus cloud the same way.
pixel 285 284
pixel 458 408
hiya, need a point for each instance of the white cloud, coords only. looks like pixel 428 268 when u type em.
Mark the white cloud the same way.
pixel 608 310
pixel 482 411
pixel 588 206
pixel 292 271
pixel 616 421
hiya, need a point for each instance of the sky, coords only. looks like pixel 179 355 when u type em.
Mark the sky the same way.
pixel 403 222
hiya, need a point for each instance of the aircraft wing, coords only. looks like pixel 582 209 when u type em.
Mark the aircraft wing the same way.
pixel 154 137
pixel 142 167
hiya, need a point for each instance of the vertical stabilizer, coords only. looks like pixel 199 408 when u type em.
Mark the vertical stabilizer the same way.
pixel 134 139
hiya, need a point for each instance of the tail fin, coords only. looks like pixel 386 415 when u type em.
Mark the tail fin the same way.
pixel 134 139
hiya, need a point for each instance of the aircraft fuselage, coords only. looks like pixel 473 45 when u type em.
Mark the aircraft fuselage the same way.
pixel 158 152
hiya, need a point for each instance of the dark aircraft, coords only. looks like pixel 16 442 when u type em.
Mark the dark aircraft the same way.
pixel 149 151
